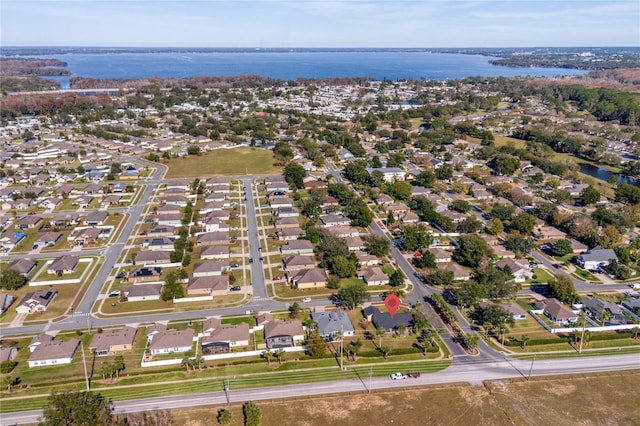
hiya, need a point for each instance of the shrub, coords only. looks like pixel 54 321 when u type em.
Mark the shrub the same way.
pixel 224 417
pixel 252 414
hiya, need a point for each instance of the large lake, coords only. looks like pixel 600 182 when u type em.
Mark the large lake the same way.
pixel 393 65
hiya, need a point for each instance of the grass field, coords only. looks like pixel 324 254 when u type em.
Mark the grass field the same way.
pixel 226 162
pixel 578 400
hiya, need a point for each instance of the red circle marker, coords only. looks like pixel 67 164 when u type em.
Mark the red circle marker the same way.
pixel 392 302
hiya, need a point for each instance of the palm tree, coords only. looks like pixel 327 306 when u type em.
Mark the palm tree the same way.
pixel 523 340
pixel 279 355
pixel 384 350
pixel 380 332
pixel 636 332
pixel 430 335
pixel 604 317
pixel 419 323
pixel 402 329
pixel 186 361
pixel 267 355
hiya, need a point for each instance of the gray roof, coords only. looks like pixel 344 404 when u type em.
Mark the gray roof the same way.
pixel 598 254
pixel 330 323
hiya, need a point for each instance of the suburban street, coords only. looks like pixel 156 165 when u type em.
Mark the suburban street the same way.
pixel 474 373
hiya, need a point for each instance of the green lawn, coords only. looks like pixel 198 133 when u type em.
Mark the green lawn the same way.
pixel 227 162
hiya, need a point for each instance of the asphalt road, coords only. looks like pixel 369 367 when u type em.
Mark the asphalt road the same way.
pixel 257 268
pixel 474 372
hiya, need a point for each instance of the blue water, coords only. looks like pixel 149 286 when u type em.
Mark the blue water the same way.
pixel 393 65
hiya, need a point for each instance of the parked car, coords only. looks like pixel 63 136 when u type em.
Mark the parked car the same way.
pixel 634 285
pixel 398 376
pixel 277 278
pixel 120 275
pixel 235 288
pixel 114 294
pixel 306 299
pixel 235 265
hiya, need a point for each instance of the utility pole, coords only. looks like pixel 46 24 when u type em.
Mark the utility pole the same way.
pixel 226 390
pixel 584 324
pixel 341 346
pixel 531 368
pixel 84 364
pixel 370 376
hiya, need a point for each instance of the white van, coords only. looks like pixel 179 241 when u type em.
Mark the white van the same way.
pixel 635 286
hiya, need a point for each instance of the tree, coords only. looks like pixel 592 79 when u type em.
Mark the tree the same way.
pixel 520 245
pixel 267 355
pixel 495 226
pixel 439 277
pixel 294 310
pixel 562 288
pixel 609 237
pixel 494 316
pixel 193 150
pixel 469 293
pixel 472 249
pixel 77 408
pixel 425 179
pixel 343 267
pixel 590 195
pixel 504 212
pixel 626 193
pixel 172 288
pixel 252 414
pixel 506 165
pixel 316 345
pixel 353 294
pixel 224 417
pixel 396 279
pixel 470 225
pixel 445 172
pixel 470 341
pixel 352 349
pixel 524 223
pixel 562 248
pixel 294 173
pixel 11 279
pixel 415 237
pixel 523 340
pixel 426 260
pixel 390 218
pixel 377 246
pixel 461 206
pixel 333 282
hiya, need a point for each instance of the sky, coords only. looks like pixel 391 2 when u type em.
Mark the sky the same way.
pixel 319 23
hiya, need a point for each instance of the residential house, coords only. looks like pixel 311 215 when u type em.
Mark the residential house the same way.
pixel 385 321
pixel 64 265
pixel 54 352
pixel 283 334
pixel 366 259
pixel 208 286
pixel 168 341
pixel 214 252
pixel 289 234
pixel 441 256
pixel 139 293
pixel 596 258
pixel 389 174
pixel 6 300
pixel 29 222
pixel 287 212
pixel 225 337
pixel 159 243
pixel 36 302
pixel 373 276
pixel 47 239
pixel 210 268
pixel 96 218
pixel 632 304
pixel 308 278
pixel 112 342
pixel 520 271
pixel 516 312
pixel 609 313
pixel 144 273
pixel 213 239
pixel 286 222
pixel 8 354
pixel 23 266
pixel 296 263
pixel 355 243
pixel 330 220
pixel 170 219
pixel 297 247
pixel 214 224
pixel 87 236
pixel 459 273
pixel 153 257
pixel 557 312
pixel 342 231
pixel 210 324
pixel 332 324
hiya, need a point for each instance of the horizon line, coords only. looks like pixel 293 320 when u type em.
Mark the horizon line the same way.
pixel 310 47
